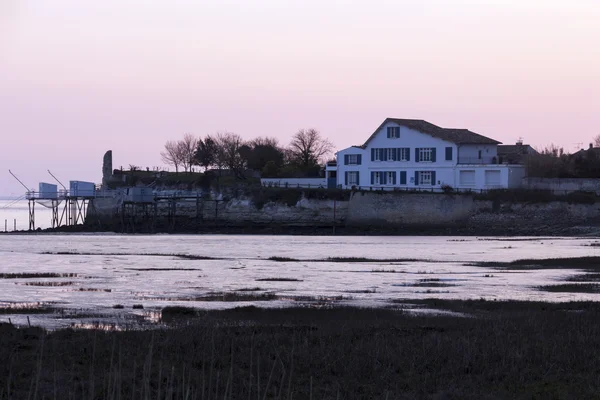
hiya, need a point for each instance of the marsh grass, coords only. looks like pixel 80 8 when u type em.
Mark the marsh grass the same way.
pixel 49 284
pixel 519 350
pixel 347 260
pixel 593 277
pixel 572 288
pixel 431 284
pixel 28 275
pixel 238 296
pixel 163 269
pixel 175 255
pixel 591 264
pixel 282 259
pixel 26 309
pixel 383 270
pixel 279 280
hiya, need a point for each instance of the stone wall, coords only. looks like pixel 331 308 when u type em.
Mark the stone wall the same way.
pixel 563 185
pixel 399 209
pixel 385 212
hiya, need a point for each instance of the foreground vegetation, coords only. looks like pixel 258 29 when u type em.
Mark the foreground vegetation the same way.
pixel 507 350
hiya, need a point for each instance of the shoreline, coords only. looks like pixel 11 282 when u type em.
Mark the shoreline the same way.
pixel 320 230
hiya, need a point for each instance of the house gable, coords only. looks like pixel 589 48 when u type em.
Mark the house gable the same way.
pixel 456 136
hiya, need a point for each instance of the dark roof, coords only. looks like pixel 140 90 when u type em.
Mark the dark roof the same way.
pixel 458 136
pixel 515 149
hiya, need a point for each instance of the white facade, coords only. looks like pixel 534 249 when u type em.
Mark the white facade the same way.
pixel 399 157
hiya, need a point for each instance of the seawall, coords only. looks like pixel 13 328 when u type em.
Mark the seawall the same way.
pixel 363 212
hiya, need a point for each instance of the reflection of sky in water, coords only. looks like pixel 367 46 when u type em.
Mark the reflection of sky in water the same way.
pixel 104 280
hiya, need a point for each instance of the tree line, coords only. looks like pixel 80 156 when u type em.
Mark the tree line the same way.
pixel 554 162
pixel 303 157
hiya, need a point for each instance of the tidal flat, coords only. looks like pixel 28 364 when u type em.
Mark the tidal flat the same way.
pixel 79 279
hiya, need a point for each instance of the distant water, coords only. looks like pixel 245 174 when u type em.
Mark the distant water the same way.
pixel 17 210
pixel 99 272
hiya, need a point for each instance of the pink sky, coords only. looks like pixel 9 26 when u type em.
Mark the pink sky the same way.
pixel 80 77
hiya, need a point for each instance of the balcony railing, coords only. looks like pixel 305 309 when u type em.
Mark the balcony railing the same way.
pixel 477 160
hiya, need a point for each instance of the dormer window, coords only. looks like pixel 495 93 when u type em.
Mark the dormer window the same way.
pixel 393 132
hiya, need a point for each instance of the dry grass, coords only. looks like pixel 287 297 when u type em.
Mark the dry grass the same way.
pixel 278 280
pixel 29 275
pixel 586 263
pixel 519 350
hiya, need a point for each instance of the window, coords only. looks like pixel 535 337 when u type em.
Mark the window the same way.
pixel 448 153
pixel 403 154
pixel 391 178
pixel 425 178
pixel 393 132
pixel 353 159
pixel 377 178
pixel 353 178
pixel 375 155
pixel 391 154
pixel 425 154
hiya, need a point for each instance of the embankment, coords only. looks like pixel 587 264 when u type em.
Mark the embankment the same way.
pixel 356 213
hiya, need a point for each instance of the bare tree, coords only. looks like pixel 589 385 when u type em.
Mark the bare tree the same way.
pixel 171 154
pixel 187 150
pixel 596 141
pixel 308 148
pixel 229 152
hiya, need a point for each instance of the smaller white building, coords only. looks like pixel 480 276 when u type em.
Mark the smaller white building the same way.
pixel 417 155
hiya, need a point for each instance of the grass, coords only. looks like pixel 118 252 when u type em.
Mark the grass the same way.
pixel 163 269
pixel 584 278
pixel 383 270
pixel 431 284
pixel 49 284
pixel 279 280
pixel 282 259
pixel 519 350
pixel 28 275
pixel 176 255
pixel 572 288
pixel 233 296
pixel 587 263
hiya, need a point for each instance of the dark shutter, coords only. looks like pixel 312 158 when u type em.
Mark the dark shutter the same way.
pixel 373 154
pixel 416 154
pixel 359 159
pixel 346 159
pixel 372 178
pixel 398 132
pixel 433 181
pixel 403 177
pixel 346 177
pixel 394 178
pixel 383 178
pixel 433 154
pixel 448 153
pixel 357 178
pixel 408 154
pixel 416 178
pixel 383 154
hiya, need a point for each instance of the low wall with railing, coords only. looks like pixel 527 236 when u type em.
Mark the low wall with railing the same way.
pixel 294 182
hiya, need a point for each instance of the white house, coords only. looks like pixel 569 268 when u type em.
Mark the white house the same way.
pixel 415 154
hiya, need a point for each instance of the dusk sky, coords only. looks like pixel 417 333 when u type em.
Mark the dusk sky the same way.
pixel 80 77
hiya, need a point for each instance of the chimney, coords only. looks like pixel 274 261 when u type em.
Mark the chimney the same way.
pixel 591 145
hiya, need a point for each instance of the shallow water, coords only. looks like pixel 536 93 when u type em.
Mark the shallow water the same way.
pixel 118 272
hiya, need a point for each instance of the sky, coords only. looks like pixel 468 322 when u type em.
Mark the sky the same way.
pixel 78 78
